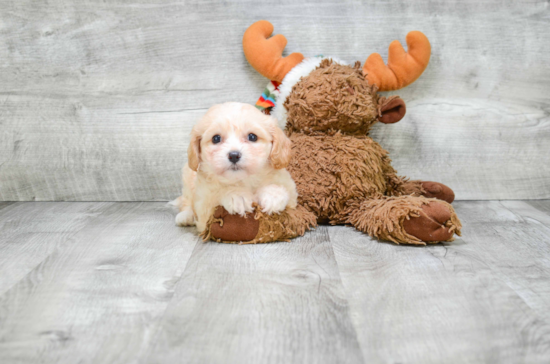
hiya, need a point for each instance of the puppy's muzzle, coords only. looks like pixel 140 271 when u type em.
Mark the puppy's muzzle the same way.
pixel 234 157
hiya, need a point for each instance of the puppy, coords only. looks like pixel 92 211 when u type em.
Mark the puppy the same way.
pixel 237 156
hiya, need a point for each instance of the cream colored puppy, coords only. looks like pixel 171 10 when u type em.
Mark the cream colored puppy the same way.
pixel 237 156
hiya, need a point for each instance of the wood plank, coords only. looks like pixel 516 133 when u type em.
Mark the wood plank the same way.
pixel 98 299
pixel 267 303
pixel 97 98
pixel 529 275
pixel 541 205
pixel 482 298
pixel 30 232
pixel 4 205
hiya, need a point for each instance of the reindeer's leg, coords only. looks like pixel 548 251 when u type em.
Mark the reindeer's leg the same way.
pixel 258 227
pixel 405 219
pixel 401 186
pixel 437 190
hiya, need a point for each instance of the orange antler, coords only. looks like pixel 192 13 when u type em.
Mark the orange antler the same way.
pixel 403 67
pixel 265 55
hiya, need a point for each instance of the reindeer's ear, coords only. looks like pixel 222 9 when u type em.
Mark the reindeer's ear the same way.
pixel 266 54
pixel 194 151
pixel 391 109
pixel 281 149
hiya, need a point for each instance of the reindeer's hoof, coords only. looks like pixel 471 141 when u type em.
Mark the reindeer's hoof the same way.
pixel 438 190
pixel 432 225
pixel 229 227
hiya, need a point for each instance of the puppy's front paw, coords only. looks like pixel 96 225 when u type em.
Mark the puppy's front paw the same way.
pixel 273 198
pixel 185 218
pixel 237 204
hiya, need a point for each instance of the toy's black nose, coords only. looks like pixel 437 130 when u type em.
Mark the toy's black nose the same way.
pixel 234 157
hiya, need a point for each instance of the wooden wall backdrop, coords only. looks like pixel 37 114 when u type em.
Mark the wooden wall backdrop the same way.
pixel 97 98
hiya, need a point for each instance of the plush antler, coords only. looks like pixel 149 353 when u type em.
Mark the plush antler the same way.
pixel 403 67
pixel 265 55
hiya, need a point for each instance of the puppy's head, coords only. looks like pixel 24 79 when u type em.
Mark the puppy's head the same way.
pixel 235 140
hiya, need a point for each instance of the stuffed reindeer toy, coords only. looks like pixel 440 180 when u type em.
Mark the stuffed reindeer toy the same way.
pixel 342 175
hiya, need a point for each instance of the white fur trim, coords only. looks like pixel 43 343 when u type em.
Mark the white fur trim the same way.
pixel 301 70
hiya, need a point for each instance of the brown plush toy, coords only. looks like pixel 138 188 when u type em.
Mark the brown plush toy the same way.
pixel 257 227
pixel 342 175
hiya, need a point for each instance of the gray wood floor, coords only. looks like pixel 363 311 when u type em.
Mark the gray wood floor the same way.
pixel 119 283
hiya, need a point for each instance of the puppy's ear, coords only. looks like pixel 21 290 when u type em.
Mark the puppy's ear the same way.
pixel 281 149
pixel 194 151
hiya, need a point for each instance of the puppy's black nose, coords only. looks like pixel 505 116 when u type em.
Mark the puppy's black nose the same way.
pixel 234 157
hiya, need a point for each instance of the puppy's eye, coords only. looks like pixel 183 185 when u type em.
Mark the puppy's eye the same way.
pixel 216 139
pixel 252 137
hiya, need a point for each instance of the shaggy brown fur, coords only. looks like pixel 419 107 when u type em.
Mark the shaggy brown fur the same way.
pixel 385 218
pixel 331 170
pixel 342 175
pixel 332 98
